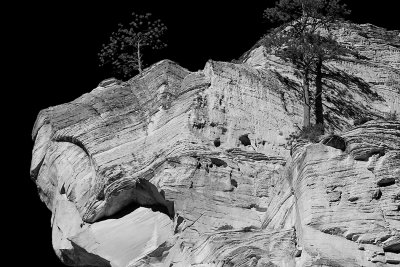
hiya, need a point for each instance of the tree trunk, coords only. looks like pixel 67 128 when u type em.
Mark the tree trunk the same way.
pixel 319 110
pixel 306 104
pixel 139 57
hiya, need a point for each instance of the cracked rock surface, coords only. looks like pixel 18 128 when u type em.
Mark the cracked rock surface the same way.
pixel 179 168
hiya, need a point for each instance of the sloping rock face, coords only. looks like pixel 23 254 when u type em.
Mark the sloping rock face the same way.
pixel 180 168
pixel 362 83
pixel 347 202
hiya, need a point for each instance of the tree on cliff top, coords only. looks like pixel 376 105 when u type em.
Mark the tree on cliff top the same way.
pixel 298 40
pixel 124 51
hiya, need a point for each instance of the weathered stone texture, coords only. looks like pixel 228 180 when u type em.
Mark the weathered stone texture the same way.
pixel 335 193
pixel 361 84
pixel 179 168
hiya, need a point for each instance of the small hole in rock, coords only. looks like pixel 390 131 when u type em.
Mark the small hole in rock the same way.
pixel 62 190
pixel 217 142
pixel 234 183
pixel 377 194
pixel 218 162
pixel 352 199
pixel 100 196
pixel 245 140
pixel 386 182
pixel 335 141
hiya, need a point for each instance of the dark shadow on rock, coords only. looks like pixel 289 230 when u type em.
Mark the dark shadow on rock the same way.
pixel 335 141
pixel 339 101
pixel 289 84
pixel 82 257
pixel 146 195
pixel 343 102
pixel 357 84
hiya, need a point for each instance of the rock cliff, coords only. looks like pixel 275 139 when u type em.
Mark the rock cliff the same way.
pixel 362 83
pixel 179 168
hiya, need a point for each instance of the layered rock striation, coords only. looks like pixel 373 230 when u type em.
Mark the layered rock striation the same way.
pixel 180 168
pixel 361 83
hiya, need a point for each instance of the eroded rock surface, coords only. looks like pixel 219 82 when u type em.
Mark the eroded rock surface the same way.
pixel 180 168
pixel 362 84
pixel 344 222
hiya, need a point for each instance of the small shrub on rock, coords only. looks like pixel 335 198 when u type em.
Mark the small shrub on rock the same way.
pixel 391 116
pixel 311 133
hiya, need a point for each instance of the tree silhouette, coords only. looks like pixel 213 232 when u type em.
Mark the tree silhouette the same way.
pixel 124 51
pixel 300 41
pixel 326 49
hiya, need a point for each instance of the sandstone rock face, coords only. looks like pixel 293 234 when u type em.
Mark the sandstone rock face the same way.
pixel 180 168
pixel 345 212
pixel 364 83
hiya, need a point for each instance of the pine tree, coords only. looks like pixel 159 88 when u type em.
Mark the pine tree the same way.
pixel 300 41
pixel 124 51
pixel 326 49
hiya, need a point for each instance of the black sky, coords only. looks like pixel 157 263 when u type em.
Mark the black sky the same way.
pixel 57 46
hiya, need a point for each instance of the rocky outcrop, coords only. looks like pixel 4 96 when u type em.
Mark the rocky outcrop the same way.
pixel 346 201
pixel 180 168
pixel 361 84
